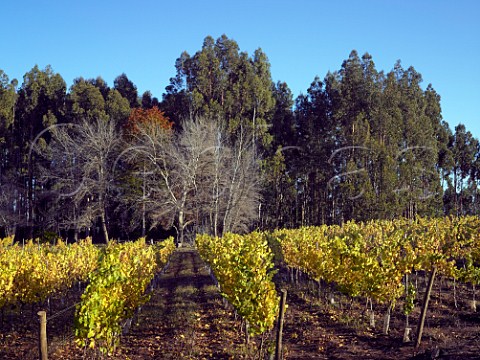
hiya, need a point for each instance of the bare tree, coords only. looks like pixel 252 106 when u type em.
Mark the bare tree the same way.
pixel 197 177
pixel 144 153
pixel 80 171
pixel 171 164
pixel 243 186
pixel 232 185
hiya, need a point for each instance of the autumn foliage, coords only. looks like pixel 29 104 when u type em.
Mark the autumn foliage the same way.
pixel 148 117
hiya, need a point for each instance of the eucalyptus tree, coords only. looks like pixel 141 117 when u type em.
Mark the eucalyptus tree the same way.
pixel 148 101
pixel 8 99
pixel 373 145
pixel 419 152
pixel 222 83
pixel 101 84
pixel 475 179
pixel 464 149
pixel 355 112
pixel 127 89
pixel 86 102
pixel 278 195
pixel 315 141
pixel 386 140
pixel 117 108
pixel 40 104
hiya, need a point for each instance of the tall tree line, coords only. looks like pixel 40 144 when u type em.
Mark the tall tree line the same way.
pixel 359 144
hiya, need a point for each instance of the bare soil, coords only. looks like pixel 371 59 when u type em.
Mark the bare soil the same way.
pixel 317 329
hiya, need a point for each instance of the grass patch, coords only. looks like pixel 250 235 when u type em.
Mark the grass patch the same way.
pixel 183 291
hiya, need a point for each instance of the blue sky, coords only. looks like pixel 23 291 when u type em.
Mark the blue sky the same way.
pixel 301 38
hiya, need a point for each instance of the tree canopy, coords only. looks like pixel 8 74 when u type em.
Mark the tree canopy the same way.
pixel 228 149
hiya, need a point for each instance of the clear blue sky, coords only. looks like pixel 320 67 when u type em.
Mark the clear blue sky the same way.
pixel 302 39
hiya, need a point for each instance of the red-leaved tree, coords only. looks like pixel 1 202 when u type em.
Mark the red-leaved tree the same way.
pixel 147 117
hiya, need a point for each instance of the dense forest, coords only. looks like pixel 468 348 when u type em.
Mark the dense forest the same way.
pixel 227 149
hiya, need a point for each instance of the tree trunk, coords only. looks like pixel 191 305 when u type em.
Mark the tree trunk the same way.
pixel 254 130
pixel 75 225
pixel 455 195
pixel 181 228
pixel 144 222
pixel 216 194
pixel 104 226
pixel 455 293
pixel 474 301
pixel 29 214
pixel 144 205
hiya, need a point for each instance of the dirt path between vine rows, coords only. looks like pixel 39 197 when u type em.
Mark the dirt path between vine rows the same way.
pixel 185 318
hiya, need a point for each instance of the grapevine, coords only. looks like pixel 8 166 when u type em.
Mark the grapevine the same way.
pixel 33 272
pixel 371 259
pixel 115 291
pixel 243 267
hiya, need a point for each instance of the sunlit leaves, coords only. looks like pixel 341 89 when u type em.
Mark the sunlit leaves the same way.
pixel 31 273
pixel 243 266
pixel 150 118
pixel 116 289
pixel 370 259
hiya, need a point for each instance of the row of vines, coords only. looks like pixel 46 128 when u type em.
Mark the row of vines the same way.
pixel 376 259
pixel 243 264
pixel 373 260
pixel 116 289
pixel 33 272
pixel 116 275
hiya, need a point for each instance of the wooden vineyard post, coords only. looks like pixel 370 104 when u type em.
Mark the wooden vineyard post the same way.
pixel 43 335
pixel 278 348
pixel 423 314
